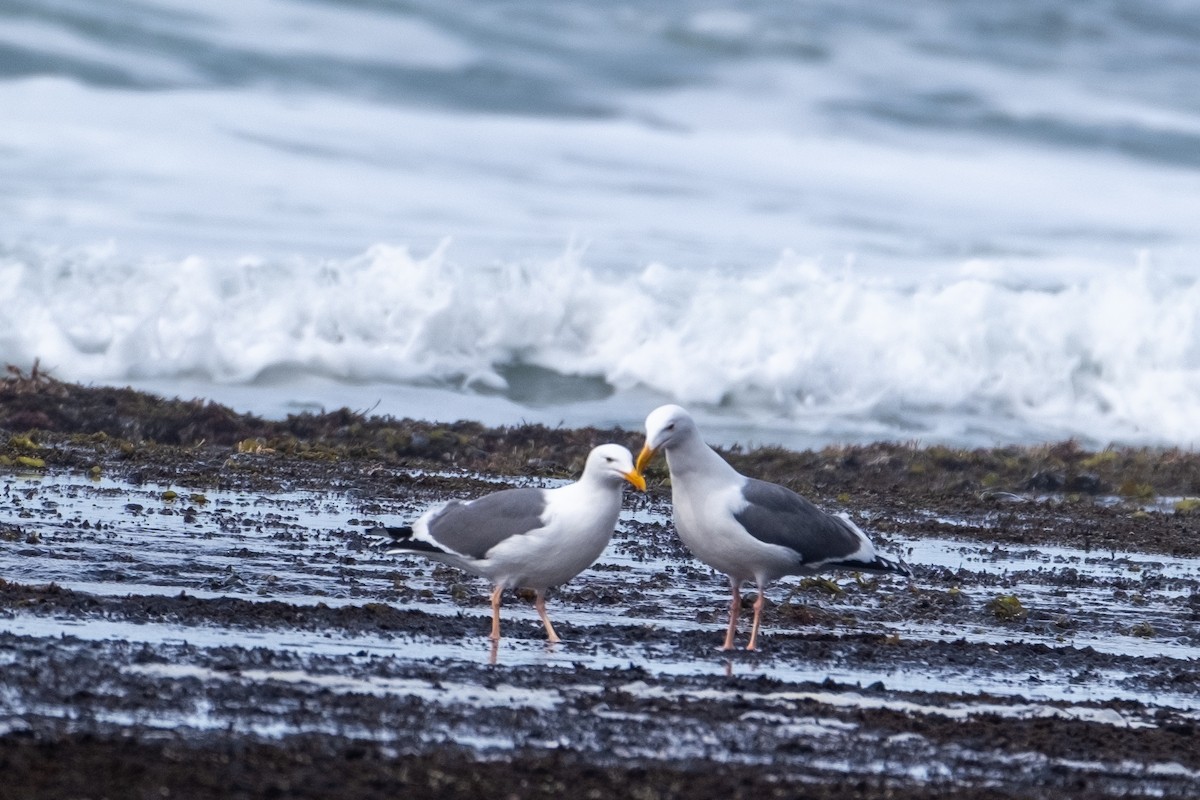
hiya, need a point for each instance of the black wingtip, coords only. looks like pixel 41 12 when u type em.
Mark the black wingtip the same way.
pixel 395 534
pixel 878 564
pixel 895 565
pixel 400 540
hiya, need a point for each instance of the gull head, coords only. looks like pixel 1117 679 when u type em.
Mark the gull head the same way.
pixel 666 426
pixel 613 463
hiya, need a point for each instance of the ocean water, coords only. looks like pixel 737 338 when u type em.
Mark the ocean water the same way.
pixel 813 223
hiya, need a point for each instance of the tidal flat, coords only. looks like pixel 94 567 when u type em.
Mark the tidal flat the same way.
pixel 190 604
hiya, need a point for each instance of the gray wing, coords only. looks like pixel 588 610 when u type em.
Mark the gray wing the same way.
pixel 474 528
pixel 776 515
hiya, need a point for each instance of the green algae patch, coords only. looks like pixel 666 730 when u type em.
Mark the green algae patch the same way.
pixel 1007 608
pixel 25 443
pixel 1105 459
pixel 1188 505
pixel 821 583
pixel 1133 490
pixel 1143 630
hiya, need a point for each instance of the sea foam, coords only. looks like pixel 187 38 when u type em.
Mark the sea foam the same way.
pixel 1102 354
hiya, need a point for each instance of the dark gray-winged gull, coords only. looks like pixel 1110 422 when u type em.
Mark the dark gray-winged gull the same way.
pixel 747 528
pixel 527 538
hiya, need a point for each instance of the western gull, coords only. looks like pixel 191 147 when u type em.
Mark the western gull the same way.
pixel 747 528
pixel 526 538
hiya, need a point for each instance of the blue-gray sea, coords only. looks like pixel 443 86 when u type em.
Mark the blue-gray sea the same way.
pixel 813 223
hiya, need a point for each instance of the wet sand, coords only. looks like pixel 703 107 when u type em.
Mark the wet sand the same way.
pixel 197 611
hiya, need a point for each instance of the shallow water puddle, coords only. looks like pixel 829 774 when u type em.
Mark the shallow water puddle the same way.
pixel 449 692
pixel 962 710
pixel 962 554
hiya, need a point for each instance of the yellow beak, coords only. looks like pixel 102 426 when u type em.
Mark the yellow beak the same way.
pixel 637 480
pixel 644 458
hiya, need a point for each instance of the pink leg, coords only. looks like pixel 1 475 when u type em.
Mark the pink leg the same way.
pixel 540 604
pixel 758 607
pixel 495 637
pixel 735 609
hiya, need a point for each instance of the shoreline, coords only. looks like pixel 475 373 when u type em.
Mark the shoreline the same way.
pixel 196 444
pixel 62 411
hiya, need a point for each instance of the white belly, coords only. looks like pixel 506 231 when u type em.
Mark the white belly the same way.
pixel 572 539
pixel 706 525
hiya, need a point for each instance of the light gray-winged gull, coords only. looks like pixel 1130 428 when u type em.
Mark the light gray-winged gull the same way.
pixel 527 538
pixel 747 528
